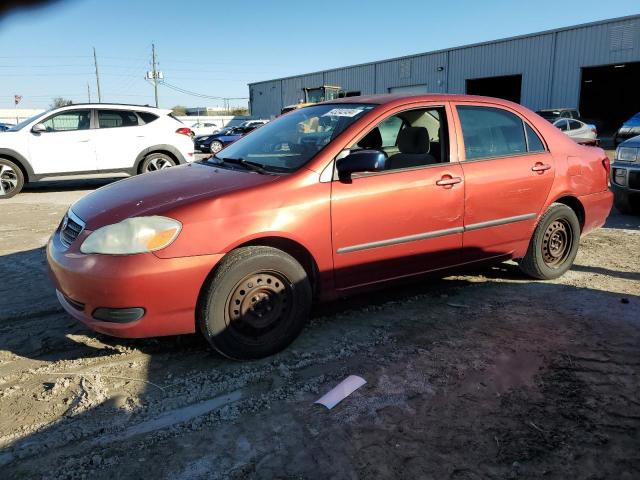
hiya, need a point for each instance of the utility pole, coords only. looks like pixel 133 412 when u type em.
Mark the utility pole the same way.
pixel 95 61
pixel 155 72
pixel 89 92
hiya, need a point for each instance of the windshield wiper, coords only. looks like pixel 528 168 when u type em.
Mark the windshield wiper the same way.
pixel 249 165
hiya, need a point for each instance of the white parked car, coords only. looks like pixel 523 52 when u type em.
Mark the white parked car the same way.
pixel 91 139
pixel 205 128
pixel 581 132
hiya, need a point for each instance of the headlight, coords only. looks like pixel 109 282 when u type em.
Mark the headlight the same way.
pixel 627 154
pixel 203 139
pixel 133 235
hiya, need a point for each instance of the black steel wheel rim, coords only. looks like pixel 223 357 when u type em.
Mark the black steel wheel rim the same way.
pixel 557 242
pixel 258 304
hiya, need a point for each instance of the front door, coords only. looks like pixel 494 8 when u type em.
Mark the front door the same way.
pixel 66 146
pixel 404 220
pixel 508 174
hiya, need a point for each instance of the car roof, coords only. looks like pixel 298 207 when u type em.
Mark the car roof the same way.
pixel 389 98
pixel 116 106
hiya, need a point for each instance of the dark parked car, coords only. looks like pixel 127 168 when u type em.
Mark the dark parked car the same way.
pixel 629 129
pixel 216 142
pixel 625 181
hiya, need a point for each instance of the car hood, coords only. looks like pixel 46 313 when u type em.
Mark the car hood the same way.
pixel 632 142
pixel 156 192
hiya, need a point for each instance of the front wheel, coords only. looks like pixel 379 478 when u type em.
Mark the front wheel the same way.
pixel 11 179
pixel 255 303
pixel 554 244
pixel 625 203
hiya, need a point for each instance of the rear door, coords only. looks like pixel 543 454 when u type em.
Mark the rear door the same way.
pixel 119 138
pixel 508 174
pixel 404 220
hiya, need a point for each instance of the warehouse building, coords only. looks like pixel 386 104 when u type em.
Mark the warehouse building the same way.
pixel 594 67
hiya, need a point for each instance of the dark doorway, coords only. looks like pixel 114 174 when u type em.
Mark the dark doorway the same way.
pixel 507 87
pixel 609 95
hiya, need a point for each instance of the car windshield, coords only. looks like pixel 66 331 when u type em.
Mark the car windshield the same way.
pixel 290 141
pixel 24 123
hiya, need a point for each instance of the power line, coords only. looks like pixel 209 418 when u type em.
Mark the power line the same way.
pixel 200 95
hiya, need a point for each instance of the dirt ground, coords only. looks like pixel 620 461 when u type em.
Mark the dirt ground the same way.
pixel 482 375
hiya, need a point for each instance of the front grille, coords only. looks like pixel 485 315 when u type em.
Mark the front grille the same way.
pixel 70 229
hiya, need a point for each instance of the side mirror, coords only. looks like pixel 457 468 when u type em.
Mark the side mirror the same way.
pixel 361 161
pixel 38 128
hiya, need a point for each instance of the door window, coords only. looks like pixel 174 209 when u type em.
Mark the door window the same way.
pixel 491 132
pixel 68 121
pixel 413 138
pixel 534 143
pixel 116 118
pixel 562 125
pixel 573 125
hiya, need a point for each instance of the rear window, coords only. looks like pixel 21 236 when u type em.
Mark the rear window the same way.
pixel 147 117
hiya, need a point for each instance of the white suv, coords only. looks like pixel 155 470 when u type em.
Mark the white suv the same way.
pixel 91 139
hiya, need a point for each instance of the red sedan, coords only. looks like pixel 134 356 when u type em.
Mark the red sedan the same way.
pixel 324 201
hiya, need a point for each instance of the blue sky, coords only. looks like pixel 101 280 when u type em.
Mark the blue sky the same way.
pixel 216 48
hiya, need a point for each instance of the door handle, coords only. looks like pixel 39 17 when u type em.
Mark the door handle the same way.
pixel 448 181
pixel 83 141
pixel 540 167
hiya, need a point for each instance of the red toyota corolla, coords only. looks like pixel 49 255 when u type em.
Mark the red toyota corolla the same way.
pixel 324 201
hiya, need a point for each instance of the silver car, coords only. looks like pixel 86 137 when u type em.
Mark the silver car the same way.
pixel 581 132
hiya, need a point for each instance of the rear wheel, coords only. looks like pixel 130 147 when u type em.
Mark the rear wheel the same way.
pixel 156 161
pixel 11 179
pixel 554 244
pixel 255 303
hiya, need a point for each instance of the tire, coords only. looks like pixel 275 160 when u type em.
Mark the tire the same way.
pixel 156 161
pixel 11 179
pixel 215 146
pixel 554 244
pixel 625 203
pixel 255 303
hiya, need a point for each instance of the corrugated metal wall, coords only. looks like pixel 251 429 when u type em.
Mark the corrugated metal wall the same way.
pixel 614 42
pixel 265 98
pixel 550 64
pixel 530 57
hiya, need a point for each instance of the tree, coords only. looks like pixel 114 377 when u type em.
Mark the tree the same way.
pixel 61 102
pixel 239 111
pixel 179 110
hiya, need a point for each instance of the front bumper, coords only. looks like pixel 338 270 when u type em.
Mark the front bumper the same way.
pixel 625 177
pixel 165 289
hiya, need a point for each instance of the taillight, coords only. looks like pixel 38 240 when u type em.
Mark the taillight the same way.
pixel 606 163
pixel 595 131
pixel 184 131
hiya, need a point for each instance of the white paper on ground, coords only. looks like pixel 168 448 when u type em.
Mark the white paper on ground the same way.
pixel 341 391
